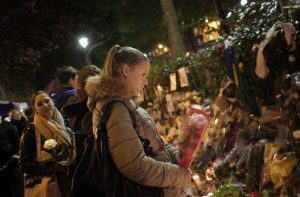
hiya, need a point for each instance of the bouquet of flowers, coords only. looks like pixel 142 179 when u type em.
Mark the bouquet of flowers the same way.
pixel 194 130
pixel 58 155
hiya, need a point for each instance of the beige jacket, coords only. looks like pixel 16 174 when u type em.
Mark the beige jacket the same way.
pixel 125 146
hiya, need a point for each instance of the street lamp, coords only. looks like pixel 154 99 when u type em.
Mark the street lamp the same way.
pixel 243 2
pixel 84 42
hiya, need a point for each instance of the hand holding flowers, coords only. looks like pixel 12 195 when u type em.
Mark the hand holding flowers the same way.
pixel 56 150
pixel 50 144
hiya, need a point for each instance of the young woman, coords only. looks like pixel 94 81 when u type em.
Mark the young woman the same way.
pixel 124 76
pixel 45 148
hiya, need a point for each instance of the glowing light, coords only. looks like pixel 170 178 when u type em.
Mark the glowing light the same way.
pixel 208 194
pixel 213 24
pixel 243 2
pixel 83 42
pixel 166 49
pixel 196 179
pixel 159 88
pixel 223 131
pixel 160 46
pixel 216 121
pixel 209 174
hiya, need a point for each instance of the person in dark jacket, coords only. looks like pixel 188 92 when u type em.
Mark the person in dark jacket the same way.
pixel 66 77
pixel 75 108
pixel 10 175
pixel 18 120
pixel 80 118
pixel 46 149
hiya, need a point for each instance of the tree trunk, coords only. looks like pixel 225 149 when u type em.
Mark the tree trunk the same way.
pixel 2 93
pixel 174 36
pixel 219 9
pixel 280 3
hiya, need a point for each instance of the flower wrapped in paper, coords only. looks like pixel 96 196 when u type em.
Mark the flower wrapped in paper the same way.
pixel 50 144
pixel 193 132
pixel 58 152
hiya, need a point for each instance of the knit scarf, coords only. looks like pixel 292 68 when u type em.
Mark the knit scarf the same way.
pixel 54 128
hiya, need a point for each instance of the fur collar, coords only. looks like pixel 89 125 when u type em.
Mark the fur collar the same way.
pixel 103 87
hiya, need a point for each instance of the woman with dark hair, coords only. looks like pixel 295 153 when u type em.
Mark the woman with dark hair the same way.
pixel 46 147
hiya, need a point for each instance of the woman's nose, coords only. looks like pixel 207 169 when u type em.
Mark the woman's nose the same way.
pixel 45 104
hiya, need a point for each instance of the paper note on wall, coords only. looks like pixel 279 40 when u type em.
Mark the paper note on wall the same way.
pixel 173 84
pixel 183 77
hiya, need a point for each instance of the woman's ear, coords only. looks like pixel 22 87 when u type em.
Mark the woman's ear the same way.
pixel 125 70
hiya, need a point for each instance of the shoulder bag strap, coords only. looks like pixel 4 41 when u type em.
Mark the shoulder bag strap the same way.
pixel 105 116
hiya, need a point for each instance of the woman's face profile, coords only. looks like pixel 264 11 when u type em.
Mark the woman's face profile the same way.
pixel 136 77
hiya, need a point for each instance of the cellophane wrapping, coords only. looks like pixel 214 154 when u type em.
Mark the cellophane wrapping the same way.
pixel 193 132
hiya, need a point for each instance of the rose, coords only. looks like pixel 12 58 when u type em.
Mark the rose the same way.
pixel 50 144
pixel 196 120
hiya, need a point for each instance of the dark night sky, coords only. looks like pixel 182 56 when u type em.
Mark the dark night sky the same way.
pixel 38 36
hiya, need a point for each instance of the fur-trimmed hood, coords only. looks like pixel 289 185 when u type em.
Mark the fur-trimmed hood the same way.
pixel 103 87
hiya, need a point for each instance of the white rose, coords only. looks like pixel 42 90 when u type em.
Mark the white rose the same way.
pixel 50 144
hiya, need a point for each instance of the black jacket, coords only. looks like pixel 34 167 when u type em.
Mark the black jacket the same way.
pixel 20 124
pixel 27 160
pixel 80 121
pixel 9 142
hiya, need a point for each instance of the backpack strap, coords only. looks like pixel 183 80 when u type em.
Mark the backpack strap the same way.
pixel 106 111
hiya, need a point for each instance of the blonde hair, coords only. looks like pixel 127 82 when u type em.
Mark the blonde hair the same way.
pixel 118 56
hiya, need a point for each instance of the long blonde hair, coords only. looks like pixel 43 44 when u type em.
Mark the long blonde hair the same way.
pixel 118 56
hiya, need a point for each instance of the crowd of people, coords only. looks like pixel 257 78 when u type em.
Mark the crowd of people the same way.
pixel 42 153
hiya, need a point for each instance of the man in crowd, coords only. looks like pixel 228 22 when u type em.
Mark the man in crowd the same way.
pixel 66 77
pixel 18 120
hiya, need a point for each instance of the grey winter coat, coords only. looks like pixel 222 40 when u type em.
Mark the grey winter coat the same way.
pixel 125 146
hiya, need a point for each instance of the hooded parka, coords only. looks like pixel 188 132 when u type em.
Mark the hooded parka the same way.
pixel 124 143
